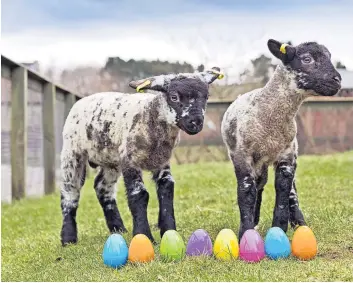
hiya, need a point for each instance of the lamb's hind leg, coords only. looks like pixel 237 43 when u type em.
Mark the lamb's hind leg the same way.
pixel 105 187
pixel 246 192
pixel 73 170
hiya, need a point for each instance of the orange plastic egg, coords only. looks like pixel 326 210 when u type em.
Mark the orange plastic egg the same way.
pixel 141 249
pixel 304 245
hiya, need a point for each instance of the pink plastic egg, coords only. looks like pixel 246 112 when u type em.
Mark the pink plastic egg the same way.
pixel 252 248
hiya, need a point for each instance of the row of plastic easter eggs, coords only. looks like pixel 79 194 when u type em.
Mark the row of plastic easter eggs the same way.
pixel 251 249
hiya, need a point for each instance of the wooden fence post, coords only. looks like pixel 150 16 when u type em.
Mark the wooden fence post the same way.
pixel 19 132
pixel 49 137
pixel 70 100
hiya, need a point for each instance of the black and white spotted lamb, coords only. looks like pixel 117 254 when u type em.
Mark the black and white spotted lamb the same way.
pixel 259 129
pixel 125 134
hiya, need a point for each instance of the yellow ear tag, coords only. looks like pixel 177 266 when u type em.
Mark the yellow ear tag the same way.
pixel 141 86
pixel 283 48
pixel 220 75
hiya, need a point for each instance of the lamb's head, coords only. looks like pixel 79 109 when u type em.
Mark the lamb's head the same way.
pixel 186 95
pixel 311 65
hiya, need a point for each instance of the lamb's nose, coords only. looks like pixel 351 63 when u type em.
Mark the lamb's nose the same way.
pixel 337 79
pixel 197 121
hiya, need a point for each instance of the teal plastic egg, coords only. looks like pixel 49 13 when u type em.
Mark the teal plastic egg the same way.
pixel 277 244
pixel 172 246
pixel 115 251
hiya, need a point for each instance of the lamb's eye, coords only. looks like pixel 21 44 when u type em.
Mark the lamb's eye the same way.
pixel 307 60
pixel 174 97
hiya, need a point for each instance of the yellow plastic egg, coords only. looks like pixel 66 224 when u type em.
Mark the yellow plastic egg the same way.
pixel 304 245
pixel 226 245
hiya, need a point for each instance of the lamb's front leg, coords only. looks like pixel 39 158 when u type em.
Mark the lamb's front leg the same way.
pixel 284 176
pixel 260 184
pixel 246 194
pixel 138 197
pixel 165 192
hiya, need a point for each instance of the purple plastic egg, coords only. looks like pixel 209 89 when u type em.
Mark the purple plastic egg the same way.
pixel 252 248
pixel 199 244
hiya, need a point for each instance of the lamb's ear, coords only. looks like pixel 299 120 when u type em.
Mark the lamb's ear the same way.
pixel 209 76
pixel 282 51
pixel 157 83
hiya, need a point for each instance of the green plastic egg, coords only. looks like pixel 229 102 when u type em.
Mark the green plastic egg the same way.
pixel 172 246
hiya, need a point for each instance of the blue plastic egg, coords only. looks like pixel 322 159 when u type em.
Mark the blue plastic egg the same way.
pixel 277 244
pixel 115 251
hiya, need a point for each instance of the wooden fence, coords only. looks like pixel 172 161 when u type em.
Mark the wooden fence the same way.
pixel 33 111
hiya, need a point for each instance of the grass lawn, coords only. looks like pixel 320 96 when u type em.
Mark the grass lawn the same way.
pixel 205 198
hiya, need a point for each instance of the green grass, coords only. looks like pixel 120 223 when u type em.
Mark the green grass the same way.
pixel 205 198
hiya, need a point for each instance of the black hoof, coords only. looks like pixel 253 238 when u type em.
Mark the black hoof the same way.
pixel 149 236
pixel 117 229
pixel 166 228
pixel 67 240
pixel 68 234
